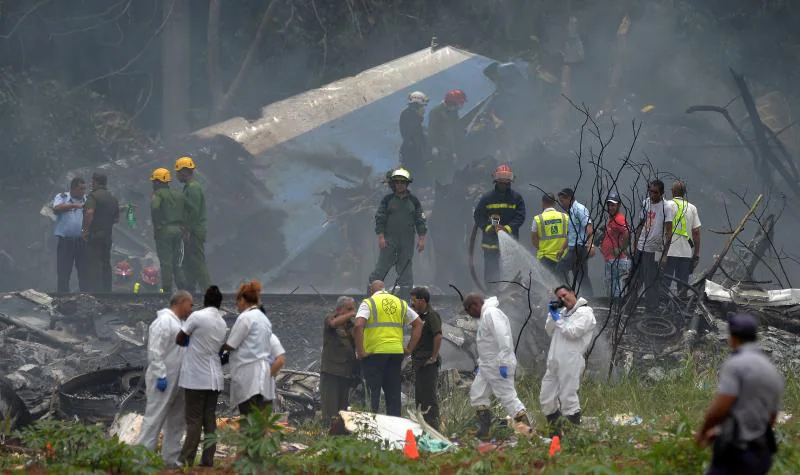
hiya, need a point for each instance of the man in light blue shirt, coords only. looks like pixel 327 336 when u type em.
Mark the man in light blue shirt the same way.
pixel 68 207
pixel 579 246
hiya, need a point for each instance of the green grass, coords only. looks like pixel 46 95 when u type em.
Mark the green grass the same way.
pixel 662 444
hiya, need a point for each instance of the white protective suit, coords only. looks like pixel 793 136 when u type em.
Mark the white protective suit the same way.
pixel 570 337
pixel 495 349
pixel 165 410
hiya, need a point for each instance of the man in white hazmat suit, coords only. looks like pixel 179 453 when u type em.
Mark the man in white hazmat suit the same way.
pixel 570 325
pixel 165 401
pixel 496 363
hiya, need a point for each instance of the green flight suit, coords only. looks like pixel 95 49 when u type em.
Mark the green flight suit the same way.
pixel 167 214
pixel 98 243
pixel 195 272
pixel 397 218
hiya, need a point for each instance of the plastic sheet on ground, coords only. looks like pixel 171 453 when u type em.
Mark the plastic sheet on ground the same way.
pixel 380 427
pixel 626 420
pixel 765 298
pixel 429 444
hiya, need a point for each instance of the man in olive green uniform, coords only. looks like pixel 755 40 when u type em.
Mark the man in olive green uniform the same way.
pixel 166 212
pixel 338 360
pixel 100 213
pixel 195 272
pixel 425 357
pixel 398 217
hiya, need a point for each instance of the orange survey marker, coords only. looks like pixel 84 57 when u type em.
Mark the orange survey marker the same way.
pixel 555 445
pixel 410 450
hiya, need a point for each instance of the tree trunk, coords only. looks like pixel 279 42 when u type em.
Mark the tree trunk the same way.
pixel 175 68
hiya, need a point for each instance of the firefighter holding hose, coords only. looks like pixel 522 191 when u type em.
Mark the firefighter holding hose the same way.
pixel 499 210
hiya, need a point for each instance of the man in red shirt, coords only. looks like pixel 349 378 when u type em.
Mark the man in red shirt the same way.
pixel 614 248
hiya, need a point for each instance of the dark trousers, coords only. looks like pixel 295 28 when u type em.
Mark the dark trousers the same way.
pixel 755 460
pixel 255 403
pixel 382 371
pixel 576 265
pixel 70 253
pixel 335 393
pixel 201 416
pixel 426 379
pixel 98 265
pixel 646 273
pixel 679 268
pixel 491 267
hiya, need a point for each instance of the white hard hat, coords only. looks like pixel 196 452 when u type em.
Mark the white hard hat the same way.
pixel 418 97
pixel 402 174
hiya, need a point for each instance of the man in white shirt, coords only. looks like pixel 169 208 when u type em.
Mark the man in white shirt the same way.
pixel 201 375
pixel 684 252
pixel 653 238
pixel 165 404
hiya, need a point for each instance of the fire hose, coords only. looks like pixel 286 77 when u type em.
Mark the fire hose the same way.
pixel 471 261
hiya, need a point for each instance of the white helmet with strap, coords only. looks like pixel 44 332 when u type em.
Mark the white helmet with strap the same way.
pixel 418 97
pixel 401 174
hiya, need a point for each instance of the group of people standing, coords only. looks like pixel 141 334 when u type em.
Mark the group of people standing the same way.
pixel 186 352
pixel 84 231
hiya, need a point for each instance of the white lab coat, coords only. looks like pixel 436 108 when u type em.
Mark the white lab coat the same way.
pixel 570 337
pixel 165 410
pixel 201 366
pixel 495 349
pixel 250 336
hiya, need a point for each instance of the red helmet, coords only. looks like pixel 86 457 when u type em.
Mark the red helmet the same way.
pixel 150 275
pixel 456 97
pixel 123 269
pixel 503 173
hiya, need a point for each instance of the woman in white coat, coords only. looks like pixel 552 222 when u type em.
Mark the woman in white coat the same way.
pixel 249 347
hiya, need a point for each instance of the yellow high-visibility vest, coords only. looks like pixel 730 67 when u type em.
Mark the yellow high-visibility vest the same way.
pixel 383 332
pixel 679 223
pixel 551 227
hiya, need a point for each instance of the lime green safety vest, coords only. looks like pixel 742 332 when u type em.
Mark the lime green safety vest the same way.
pixel 551 226
pixel 679 227
pixel 383 332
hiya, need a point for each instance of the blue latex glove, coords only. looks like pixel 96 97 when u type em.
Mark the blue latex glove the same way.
pixel 504 371
pixel 161 384
pixel 477 369
pixel 555 315
pixel 186 342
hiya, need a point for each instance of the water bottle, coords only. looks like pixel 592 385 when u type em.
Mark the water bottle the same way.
pixel 132 216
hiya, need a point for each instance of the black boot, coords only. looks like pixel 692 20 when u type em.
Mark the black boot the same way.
pixel 484 424
pixel 575 418
pixel 554 422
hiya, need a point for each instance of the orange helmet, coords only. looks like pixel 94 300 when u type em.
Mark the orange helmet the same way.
pixel 503 174
pixel 150 275
pixel 456 97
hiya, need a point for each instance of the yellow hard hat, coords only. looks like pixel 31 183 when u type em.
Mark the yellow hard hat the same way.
pixel 162 175
pixel 184 162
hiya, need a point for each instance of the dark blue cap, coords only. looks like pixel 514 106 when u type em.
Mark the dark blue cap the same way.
pixel 742 324
pixel 613 197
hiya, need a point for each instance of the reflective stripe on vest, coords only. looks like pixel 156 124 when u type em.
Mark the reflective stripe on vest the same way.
pixel 551 227
pixel 680 218
pixel 383 332
pixel 501 206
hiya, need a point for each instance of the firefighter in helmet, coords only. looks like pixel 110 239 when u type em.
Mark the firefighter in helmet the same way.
pixel 413 150
pixel 399 216
pixel 167 215
pixel 499 210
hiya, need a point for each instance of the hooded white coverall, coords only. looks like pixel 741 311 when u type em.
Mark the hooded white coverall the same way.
pixel 570 337
pixel 165 410
pixel 495 349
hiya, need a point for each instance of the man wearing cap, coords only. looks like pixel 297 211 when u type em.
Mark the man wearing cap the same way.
pixel 743 412
pixel 579 246
pixel 549 233
pixel 195 271
pixel 499 210
pixel 614 247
